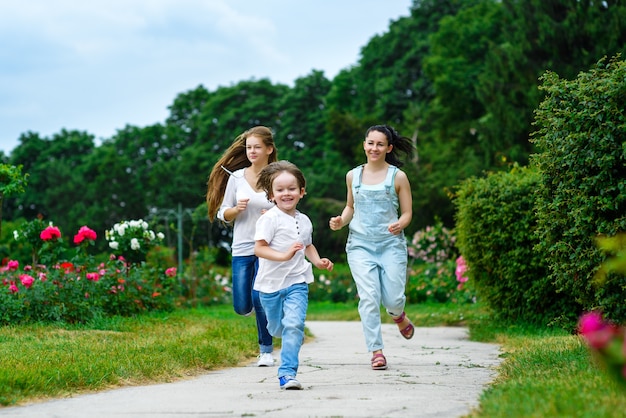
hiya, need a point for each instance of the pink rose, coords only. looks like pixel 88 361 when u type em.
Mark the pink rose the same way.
pixel 596 331
pixel 13 265
pixel 50 233
pixel 27 280
pixel 461 269
pixel 13 288
pixel 85 233
pixel 94 277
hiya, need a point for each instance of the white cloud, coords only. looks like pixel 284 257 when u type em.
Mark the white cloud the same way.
pixel 99 65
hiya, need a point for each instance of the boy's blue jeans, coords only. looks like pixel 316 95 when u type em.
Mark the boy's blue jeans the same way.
pixel 286 312
pixel 244 270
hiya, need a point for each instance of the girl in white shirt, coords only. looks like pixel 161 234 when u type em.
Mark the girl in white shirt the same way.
pixel 233 197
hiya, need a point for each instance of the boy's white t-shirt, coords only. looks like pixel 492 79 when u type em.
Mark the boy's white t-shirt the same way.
pixel 280 231
pixel 245 223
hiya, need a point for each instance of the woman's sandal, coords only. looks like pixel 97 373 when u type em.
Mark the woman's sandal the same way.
pixel 409 330
pixel 379 362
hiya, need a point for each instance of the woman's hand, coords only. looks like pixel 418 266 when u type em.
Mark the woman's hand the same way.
pixel 394 228
pixel 242 204
pixel 335 223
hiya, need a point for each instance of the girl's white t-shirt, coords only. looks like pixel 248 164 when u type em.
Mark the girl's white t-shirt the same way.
pixel 245 222
pixel 280 230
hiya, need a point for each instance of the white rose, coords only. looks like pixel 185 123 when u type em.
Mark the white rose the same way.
pixel 114 245
pixel 120 229
pixel 134 244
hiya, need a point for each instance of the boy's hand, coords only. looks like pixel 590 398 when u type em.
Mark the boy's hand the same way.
pixel 295 247
pixel 325 264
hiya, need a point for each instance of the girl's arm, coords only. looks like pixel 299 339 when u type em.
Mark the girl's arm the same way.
pixel 230 207
pixel 314 257
pixel 262 249
pixel 403 189
pixel 231 213
pixel 338 222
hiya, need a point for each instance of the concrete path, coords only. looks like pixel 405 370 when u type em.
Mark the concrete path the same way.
pixel 439 373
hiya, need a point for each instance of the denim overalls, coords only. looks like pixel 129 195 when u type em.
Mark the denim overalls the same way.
pixel 377 258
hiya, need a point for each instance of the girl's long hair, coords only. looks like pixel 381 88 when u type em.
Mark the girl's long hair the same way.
pixel 233 159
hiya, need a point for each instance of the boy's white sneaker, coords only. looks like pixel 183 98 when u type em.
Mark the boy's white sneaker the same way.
pixel 289 383
pixel 265 360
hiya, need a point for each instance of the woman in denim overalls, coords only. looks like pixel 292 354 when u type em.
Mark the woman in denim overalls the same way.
pixel 376 246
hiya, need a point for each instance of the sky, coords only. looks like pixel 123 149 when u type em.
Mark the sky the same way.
pixel 99 65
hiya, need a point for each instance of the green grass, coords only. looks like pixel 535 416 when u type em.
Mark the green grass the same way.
pixel 547 373
pixel 42 361
pixel 544 373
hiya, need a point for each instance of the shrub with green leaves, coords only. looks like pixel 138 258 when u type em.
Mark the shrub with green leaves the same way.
pixel 78 288
pixel 581 141
pixel 133 239
pixel 437 283
pixel 205 281
pixel 433 244
pixel 495 222
pixel 432 266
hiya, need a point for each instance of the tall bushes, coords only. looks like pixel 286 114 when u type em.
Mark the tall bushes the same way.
pixel 495 223
pixel 529 236
pixel 582 146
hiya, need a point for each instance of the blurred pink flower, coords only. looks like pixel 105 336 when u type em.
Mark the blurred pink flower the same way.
pixel 13 288
pixel 13 265
pixel 50 233
pixel 85 233
pixel 170 272
pixel 607 343
pixel 595 330
pixel 461 269
pixel 27 280
pixel 94 277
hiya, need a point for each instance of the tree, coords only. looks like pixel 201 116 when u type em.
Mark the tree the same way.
pixel 12 182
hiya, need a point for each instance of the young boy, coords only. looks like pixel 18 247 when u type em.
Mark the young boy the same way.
pixel 283 238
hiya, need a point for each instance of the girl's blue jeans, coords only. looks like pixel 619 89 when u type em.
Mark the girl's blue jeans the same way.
pixel 244 270
pixel 286 312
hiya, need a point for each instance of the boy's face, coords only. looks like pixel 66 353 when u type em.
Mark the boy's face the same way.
pixel 286 192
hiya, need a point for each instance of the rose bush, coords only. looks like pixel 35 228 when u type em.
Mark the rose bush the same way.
pixel 436 270
pixel 133 240
pixel 78 288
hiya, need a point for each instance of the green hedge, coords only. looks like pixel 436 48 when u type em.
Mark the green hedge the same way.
pixel 495 220
pixel 582 160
